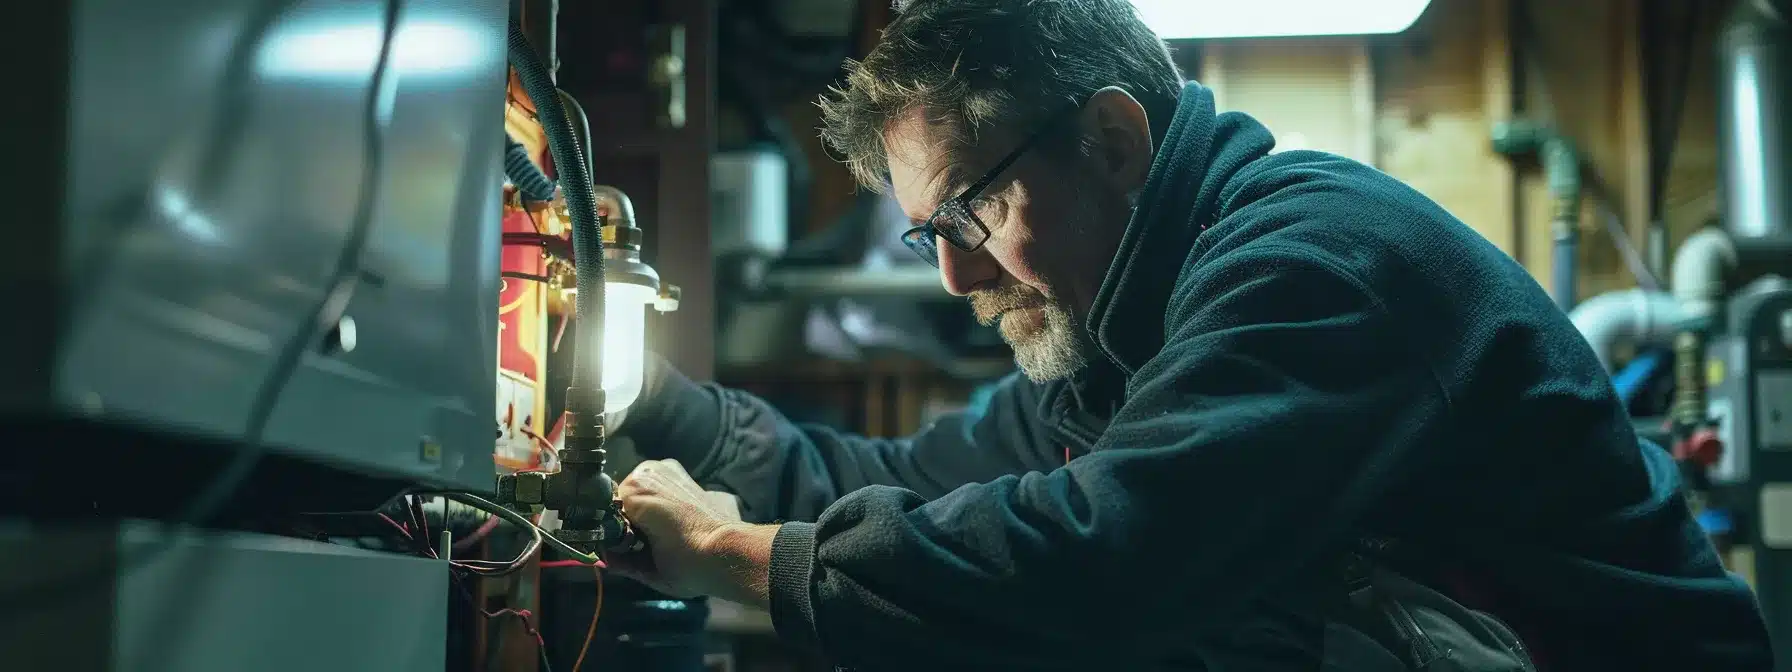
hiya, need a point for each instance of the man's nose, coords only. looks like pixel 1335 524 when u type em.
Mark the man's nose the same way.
pixel 962 272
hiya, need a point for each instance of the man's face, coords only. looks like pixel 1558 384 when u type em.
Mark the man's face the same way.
pixel 1054 223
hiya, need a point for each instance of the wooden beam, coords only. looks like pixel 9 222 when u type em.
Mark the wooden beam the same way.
pixel 1499 104
pixel 1633 125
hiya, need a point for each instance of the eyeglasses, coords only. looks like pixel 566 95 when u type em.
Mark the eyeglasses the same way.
pixel 956 219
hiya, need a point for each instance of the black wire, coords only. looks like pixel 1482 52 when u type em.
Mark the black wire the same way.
pixel 545 665
pixel 532 277
pixel 329 307
pixel 328 310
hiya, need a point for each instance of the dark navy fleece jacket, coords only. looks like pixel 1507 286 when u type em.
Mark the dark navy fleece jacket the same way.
pixel 1300 351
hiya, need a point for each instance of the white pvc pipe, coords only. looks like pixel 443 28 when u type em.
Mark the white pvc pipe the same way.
pixel 1630 316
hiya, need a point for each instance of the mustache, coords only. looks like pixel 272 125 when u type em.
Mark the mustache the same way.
pixel 989 304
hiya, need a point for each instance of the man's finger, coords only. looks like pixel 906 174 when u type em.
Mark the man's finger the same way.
pixel 633 486
pixel 641 479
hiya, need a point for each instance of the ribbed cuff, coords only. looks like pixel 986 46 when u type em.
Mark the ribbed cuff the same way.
pixel 792 576
pixel 679 419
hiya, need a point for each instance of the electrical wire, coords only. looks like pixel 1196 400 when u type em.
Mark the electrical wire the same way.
pixel 397 525
pixel 421 520
pixel 532 277
pixel 494 569
pixel 528 619
pixel 559 333
pixel 550 564
pixel 484 568
pixel 212 498
pixel 553 245
pixel 478 535
pixel 542 444
pixel 518 519
pixel 329 308
pixel 597 608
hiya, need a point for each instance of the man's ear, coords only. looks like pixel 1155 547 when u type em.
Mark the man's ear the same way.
pixel 1120 137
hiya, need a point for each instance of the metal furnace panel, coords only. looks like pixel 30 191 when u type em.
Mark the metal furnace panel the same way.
pixel 186 274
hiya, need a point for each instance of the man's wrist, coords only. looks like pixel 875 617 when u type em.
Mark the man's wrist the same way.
pixel 741 557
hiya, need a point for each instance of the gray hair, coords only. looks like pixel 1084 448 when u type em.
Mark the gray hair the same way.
pixel 969 64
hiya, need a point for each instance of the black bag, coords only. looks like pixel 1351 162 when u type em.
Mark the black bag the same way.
pixel 1393 623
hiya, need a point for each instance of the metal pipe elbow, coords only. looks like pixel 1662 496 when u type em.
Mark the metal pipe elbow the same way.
pixel 1701 272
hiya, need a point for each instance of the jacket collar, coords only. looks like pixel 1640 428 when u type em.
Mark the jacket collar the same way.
pixel 1199 155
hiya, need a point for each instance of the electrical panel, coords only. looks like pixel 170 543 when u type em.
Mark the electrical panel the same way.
pixel 215 154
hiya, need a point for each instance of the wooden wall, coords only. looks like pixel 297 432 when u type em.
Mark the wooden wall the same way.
pixel 1421 105
pixel 1435 91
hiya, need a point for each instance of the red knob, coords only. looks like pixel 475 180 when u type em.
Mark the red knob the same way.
pixel 1702 448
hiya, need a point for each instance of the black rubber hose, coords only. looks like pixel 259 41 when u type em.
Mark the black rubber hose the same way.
pixel 529 180
pixel 581 205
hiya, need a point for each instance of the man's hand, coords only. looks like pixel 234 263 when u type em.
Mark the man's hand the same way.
pixel 693 537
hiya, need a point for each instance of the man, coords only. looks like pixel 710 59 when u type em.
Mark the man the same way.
pixel 1237 365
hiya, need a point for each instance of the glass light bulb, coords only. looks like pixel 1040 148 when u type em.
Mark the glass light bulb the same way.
pixel 625 343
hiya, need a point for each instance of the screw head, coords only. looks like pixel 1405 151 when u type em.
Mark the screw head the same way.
pixel 429 450
pixel 342 337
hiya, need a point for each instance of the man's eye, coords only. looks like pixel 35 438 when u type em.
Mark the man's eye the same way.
pixel 983 206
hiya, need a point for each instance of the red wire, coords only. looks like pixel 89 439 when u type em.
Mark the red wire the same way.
pixel 421 518
pixel 406 531
pixel 550 564
pixel 543 444
pixel 526 616
pixel 400 526
pixel 484 529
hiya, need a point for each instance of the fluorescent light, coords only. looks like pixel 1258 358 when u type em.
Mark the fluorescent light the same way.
pixel 1184 19
pixel 340 49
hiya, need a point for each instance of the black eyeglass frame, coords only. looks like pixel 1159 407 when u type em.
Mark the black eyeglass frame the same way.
pixel 921 238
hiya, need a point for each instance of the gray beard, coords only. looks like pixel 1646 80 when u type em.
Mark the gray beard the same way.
pixel 1062 349
pixel 1057 352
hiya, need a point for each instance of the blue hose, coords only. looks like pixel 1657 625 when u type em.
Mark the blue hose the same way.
pixel 1636 374
pixel 1564 283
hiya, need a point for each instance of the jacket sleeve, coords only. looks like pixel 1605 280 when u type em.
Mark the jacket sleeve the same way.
pixel 1283 404
pixel 788 471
